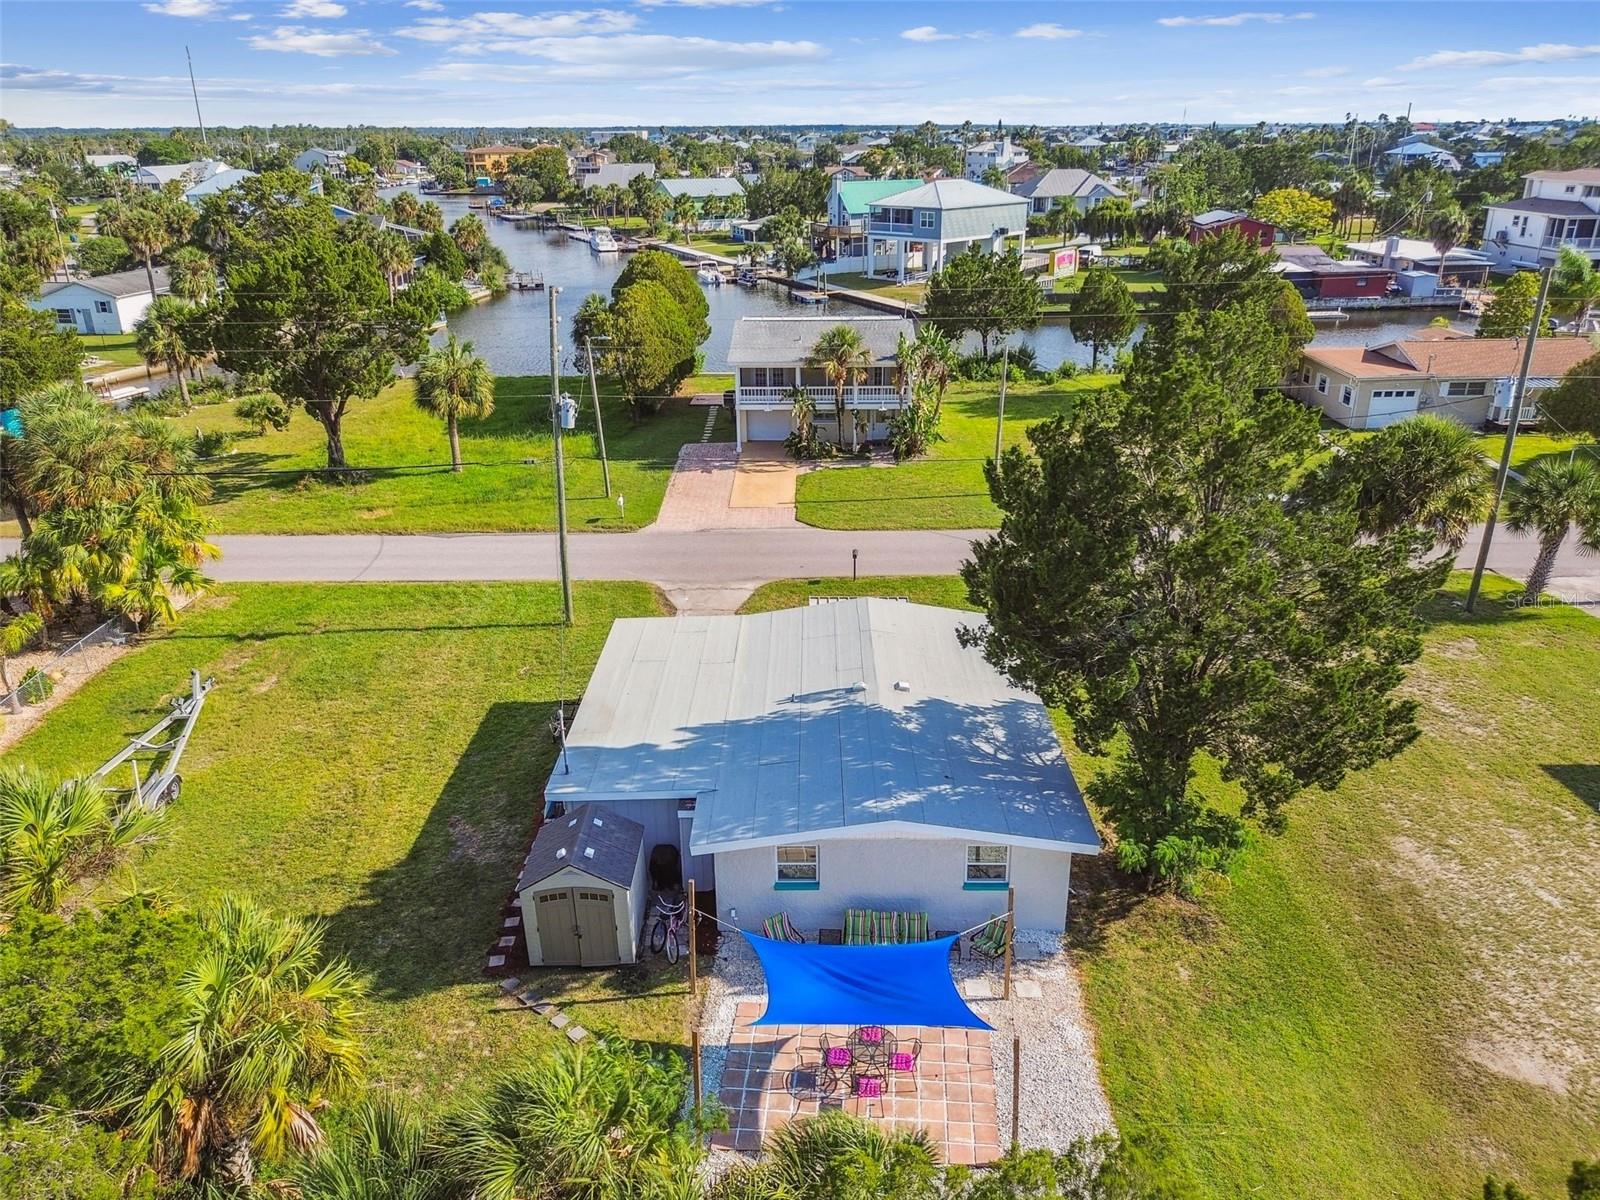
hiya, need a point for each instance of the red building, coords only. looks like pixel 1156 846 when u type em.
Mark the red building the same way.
pixel 1316 276
pixel 1219 219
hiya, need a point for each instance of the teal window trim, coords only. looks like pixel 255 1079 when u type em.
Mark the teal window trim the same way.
pixel 797 885
pixel 985 885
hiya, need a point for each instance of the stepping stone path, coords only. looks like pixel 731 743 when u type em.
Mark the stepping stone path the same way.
pixel 977 989
pixel 1028 989
pixel 577 1033
pixel 550 1012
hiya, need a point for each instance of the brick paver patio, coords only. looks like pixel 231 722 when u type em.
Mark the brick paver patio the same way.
pixel 769 1079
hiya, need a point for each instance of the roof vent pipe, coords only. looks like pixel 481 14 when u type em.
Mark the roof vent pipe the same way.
pixel 900 685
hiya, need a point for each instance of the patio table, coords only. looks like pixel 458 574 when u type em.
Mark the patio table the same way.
pixel 869 1054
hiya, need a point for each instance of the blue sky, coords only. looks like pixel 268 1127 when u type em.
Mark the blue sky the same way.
pixel 654 62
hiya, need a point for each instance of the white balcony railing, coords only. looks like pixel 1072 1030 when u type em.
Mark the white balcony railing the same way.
pixel 1556 240
pixel 864 396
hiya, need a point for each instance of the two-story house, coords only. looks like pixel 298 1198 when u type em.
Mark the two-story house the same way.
pixel 1556 209
pixel 1001 153
pixel 915 232
pixel 490 162
pixel 850 200
pixel 769 357
pixel 1068 187
pixel 1453 374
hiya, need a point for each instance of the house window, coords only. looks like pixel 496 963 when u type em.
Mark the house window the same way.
pixel 102 306
pixel 1305 375
pixel 1322 384
pixel 1347 395
pixel 797 867
pixel 988 866
pixel 757 377
pixel 924 218
pixel 63 316
pixel 1476 387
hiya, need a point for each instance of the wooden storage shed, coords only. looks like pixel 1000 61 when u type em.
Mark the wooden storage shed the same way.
pixel 582 890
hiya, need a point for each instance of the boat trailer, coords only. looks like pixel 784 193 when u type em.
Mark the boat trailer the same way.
pixel 161 784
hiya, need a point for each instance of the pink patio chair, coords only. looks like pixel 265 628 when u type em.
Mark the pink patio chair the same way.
pixel 907 1053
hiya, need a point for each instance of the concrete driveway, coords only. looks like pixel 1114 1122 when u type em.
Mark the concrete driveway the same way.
pixel 764 477
pixel 705 493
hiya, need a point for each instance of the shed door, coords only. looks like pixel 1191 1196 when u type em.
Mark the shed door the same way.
pixel 597 927
pixel 558 929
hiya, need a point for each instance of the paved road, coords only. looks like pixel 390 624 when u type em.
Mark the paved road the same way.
pixel 706 559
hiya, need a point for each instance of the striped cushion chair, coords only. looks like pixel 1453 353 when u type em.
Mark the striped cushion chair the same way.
pixel 779 929
pixel 913 927
pixel 990 941
pixel 885 928
pixel 858 926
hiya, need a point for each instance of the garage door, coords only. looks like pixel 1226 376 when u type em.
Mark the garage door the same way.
pixel 768 426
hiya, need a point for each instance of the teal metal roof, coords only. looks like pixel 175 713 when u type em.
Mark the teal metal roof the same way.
pixel 858 195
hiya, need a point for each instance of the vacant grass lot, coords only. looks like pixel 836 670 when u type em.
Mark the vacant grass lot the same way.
pixel 945 490
pixel 407 490
pixel 1397 996
pixel 373 755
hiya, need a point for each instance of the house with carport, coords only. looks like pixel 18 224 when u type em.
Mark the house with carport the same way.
pixel 849 754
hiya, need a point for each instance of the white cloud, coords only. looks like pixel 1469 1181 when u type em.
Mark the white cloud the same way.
pixel 482 25
pixel 926 33
pixel 1048 31
pixel 635 58
pixel 425 5
pixel 188 8
pixel 323 43
pixel 321 9
pixel 1544 53
pixel 1324 72
pixel 1238 18
pixel 1382 81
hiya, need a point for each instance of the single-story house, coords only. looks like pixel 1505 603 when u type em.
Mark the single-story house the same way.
pixel 582 890
pixel 1317 275
pixel 157 176
pixel 850 754
pixel 1070 186
pixel 1219 219
pixel 1459 266
pixel 104 303
pixel 219 181
pixel 318 159
pixel 1468 379
pixel 699 188
pixel 112 162
pixel 621 174
pixel 1413 152
pixel 769 358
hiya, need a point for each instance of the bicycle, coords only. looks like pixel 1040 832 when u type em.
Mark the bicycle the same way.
pixel 670 923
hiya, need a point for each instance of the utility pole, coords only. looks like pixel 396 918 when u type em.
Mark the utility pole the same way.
pixel 1000 418
pixel 599 425
pixel 561 467
pixel 195 92
pixel 1511 438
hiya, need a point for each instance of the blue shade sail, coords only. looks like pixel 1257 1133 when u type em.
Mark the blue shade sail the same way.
pixel 862 985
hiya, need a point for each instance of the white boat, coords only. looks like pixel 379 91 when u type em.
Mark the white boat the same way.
pixel 601 240
pixel 708 273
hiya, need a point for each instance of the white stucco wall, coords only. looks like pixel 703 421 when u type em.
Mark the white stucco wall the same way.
pixel 893 873
pixel 82 301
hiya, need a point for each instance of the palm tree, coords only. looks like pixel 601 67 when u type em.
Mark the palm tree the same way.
pixel 267 1035
pixel 1447 226
pixel 15 635
pixel 453 382
pixel 1554 498
pixel 803 408
pixel 1426 472
pixel 51 831
pixel 395 257
pixel 146 233
pixel 1575 286
pixel 193 274
pixel 165 335
pixel 843 356
pixel 835 1153
pixel 385 1155
pixel 599 1118
pixel 469 235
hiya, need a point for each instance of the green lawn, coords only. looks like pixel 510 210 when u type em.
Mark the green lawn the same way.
pixel 947 489
pixel 373 755
pixel 911 293
pixel 712 241
pixel 1389 1001
pixel 119 349
pixel 390 434
pixel 1532 448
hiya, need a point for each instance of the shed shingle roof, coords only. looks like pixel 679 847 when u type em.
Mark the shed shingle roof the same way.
pixel 591 839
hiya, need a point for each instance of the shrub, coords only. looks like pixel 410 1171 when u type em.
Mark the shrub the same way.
pixel 806 444
pixel 168 403
pixel 213 389
pixel 36 687
pixel 212 443
pixel 1067 370
pixel 263 410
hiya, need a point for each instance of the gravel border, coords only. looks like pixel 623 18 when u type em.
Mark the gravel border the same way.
pixel 1063 1098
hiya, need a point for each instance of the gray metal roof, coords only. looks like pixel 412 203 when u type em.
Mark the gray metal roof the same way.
pixel 701 187
pixel 1065 181
pixel 948 194
pixel 787 341
pixel 118 283
pixel 853 716
pixel 620 174
pixel 588 838
pixel 1216 216
pixel 1551 207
